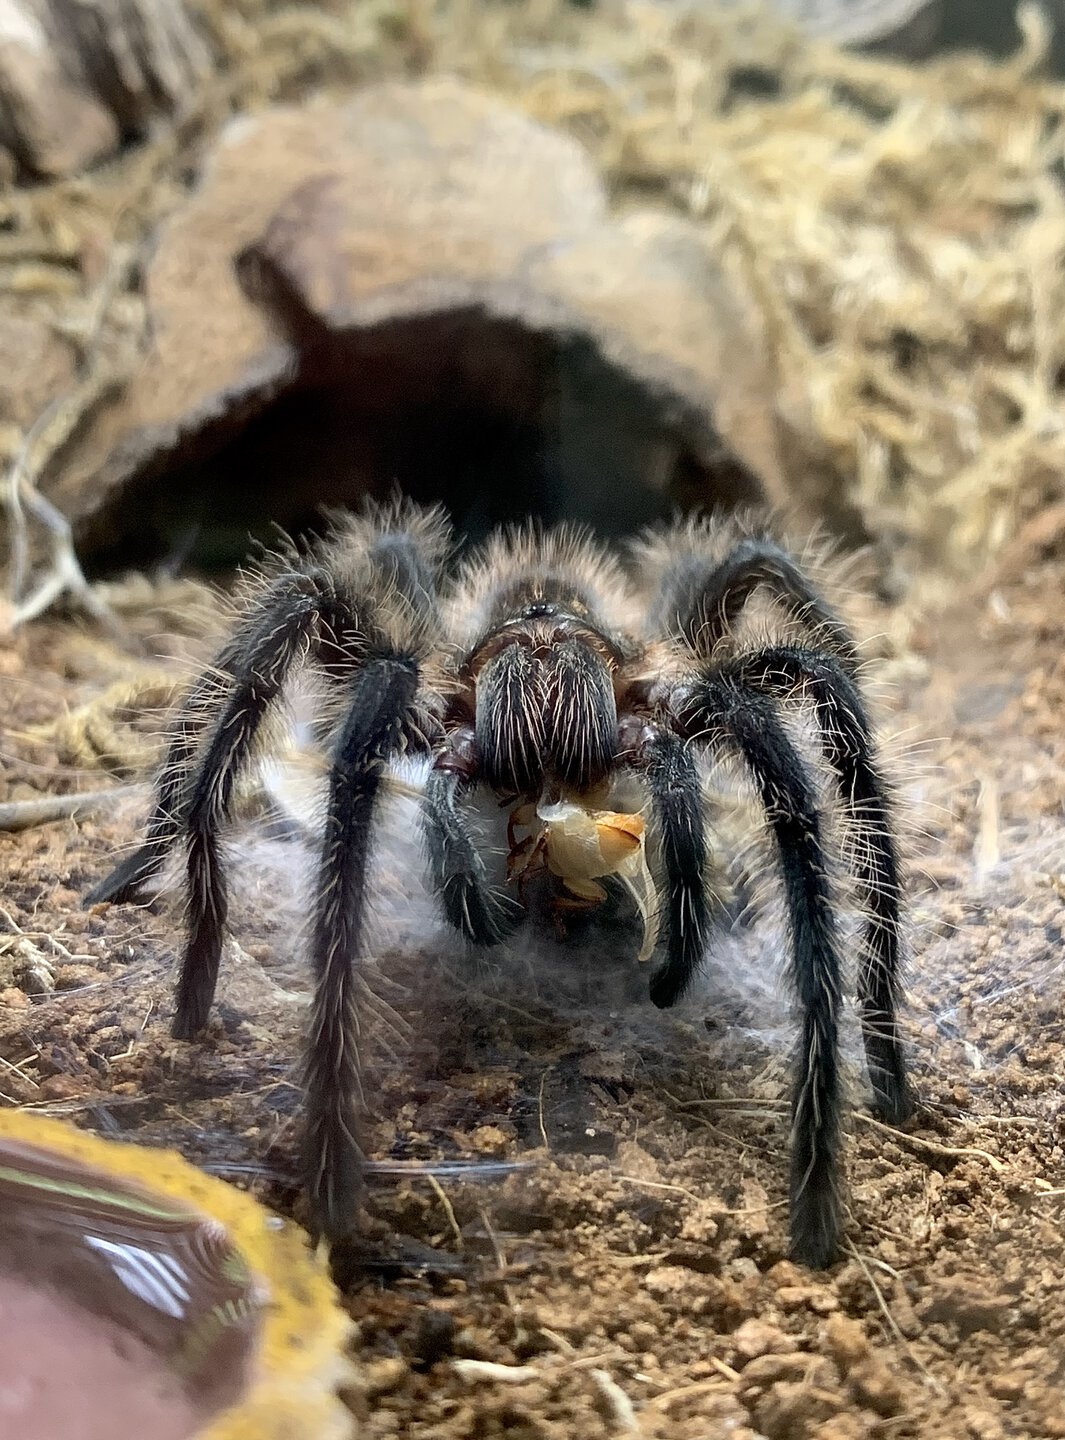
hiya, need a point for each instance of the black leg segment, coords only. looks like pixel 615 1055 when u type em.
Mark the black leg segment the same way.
pixel 167 818
pixel 382 699
pixel 675 787
pixel 286 624
pixel 482 912
pixel 701 599
pixel 790 671
pixel 721 713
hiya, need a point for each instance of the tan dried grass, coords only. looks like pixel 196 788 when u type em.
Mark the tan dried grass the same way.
pixel 903 227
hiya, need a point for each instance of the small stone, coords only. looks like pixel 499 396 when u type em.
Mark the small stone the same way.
pixel 489 1140
pixel 758 1337
pixel 14 999
pixel 62 1087
pixel 793 1410
pixel 381 1377
pixel 846 1342
pixel 669 1280
pixel 811 1297
pixel 700 1224
pixel 644 1335
pixel 768 1370
pixel 633 1159
pixel 842 1427
pixel 786 1275
pixel 982 1425
pixel 1009 1385
pixel 34 974
pixel 875 1387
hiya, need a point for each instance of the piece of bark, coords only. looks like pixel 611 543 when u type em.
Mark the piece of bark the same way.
pixel 357 291
pixel 78 76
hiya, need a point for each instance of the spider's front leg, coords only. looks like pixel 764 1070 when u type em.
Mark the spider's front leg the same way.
pixel 719 712
pixel 362 610
pixel 477 909
pixel 381 706
pixel 678 805
pixel 184 734
pixel 212 739
pixel 297 611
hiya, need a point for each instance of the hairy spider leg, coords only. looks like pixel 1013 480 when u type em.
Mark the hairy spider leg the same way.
pixel 381 706
pixel 298 613
pixel 367 632
pixel 701 599
pixel 261 624
pixel 679 809
pixel 476 908
pixel 720 712
pixel 788 671
pixel 167 817
pixel 288 616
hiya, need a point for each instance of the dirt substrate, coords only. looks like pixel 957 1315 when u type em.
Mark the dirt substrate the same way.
pixel 632 1276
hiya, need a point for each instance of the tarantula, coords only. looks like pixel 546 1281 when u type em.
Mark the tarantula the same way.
pixel 543 670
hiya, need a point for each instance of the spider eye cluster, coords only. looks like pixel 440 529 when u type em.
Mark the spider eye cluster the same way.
pixel 538 610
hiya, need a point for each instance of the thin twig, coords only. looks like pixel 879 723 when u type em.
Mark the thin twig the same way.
pixel 934 1147
pixel 449 1209
pixel 23 496
pixel 18 1070
pixel 684 1392
pixel 491 1370
pixel 691 1195
pixel 616 1402
pixel 659 1185
pixel 24 814
pixel 543 1127
pixel 893 1325
pixel 722 1369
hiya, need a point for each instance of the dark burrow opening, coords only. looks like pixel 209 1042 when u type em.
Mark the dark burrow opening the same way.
pixel 494 420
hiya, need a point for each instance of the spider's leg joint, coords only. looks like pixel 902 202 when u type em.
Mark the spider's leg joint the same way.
pixel 462 754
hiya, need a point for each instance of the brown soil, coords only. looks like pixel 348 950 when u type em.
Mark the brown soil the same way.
pixel 634 1274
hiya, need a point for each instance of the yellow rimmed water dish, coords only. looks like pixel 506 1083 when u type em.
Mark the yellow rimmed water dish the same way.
pixel 188 1309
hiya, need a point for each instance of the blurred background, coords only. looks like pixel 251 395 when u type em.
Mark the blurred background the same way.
pixel 581 260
